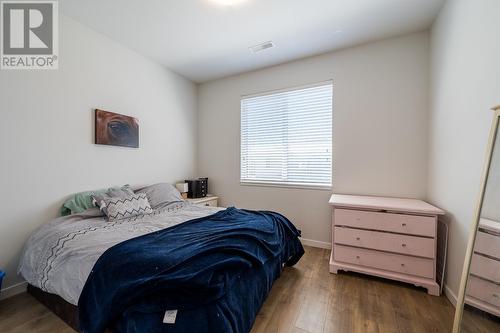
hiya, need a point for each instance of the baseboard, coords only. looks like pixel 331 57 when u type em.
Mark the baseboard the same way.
pixel 13 290
pixel 450 295
pixel 315 243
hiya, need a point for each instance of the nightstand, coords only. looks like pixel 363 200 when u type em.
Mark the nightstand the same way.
pixel 210 200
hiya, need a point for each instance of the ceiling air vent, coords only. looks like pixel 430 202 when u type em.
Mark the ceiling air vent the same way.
pixel 261 47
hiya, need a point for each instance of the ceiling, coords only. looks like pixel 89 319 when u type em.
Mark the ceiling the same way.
pixel 204 40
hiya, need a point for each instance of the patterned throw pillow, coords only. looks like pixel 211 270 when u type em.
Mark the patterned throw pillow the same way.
pixel 119 208
pixel 100 199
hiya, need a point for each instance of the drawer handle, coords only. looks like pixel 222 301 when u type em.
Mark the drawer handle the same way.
pixel 357 257
pixel 403 224
pixel 357 238
pixel 207 204
pixel 403 245
pixel 402 265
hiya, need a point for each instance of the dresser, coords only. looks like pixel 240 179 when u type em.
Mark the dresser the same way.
pixel 210 200
pixel 483 286
pixel 392 238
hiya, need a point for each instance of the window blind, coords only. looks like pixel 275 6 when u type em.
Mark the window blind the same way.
pixel 286 137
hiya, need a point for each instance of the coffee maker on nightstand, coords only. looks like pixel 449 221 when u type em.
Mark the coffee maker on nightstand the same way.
pixel 197 188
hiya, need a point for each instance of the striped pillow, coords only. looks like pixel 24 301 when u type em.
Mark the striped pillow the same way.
pixel 120 208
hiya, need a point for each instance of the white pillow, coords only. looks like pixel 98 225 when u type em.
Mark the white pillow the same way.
pixel 161 194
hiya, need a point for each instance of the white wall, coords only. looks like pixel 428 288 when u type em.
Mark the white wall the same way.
pixel 380 128
pixel 491 202
pixel 465 83
pixel 46 131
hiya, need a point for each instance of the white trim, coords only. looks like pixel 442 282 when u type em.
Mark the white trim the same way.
pixel 277 91
pixel 13 290
pixel 450 295
pixel 286 185
pixel 315 243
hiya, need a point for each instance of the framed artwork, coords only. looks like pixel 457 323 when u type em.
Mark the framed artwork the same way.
pixel 115 129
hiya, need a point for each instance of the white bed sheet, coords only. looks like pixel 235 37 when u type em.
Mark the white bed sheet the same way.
pixel 60 255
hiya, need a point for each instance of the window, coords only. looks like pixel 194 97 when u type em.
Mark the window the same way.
pixel 286 137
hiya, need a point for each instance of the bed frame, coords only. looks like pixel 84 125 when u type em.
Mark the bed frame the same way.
pixel 64 310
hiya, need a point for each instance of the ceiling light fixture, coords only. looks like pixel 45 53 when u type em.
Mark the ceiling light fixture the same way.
pixel 228 2
pixel 262 47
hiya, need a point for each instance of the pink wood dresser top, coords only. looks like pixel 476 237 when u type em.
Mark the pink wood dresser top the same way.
pixel 389 204
pixel 489 225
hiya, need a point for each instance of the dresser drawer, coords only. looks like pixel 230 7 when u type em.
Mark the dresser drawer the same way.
pixel 486 268
pixel 410 245
pixel 400 223
pixel 487 244
pixel 483 290
pixel 386 261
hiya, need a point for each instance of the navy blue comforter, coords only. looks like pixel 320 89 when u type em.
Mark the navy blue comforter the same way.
pixel 215 271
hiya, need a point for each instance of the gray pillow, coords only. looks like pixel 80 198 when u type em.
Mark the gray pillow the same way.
pixel 99 199
pixel 120 208
pixel 161 194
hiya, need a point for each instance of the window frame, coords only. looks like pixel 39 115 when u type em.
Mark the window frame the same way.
pixel 279 184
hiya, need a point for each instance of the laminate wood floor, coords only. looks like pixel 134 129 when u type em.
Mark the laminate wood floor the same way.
pixel 305 299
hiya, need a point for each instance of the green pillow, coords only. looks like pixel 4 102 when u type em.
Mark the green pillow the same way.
pixel 79 202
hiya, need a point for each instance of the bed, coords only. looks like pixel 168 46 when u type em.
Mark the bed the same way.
pixel 212 268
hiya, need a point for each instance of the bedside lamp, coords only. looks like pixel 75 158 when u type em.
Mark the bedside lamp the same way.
pixel 183 188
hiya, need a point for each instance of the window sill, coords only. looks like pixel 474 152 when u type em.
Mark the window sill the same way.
pixel 288 185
